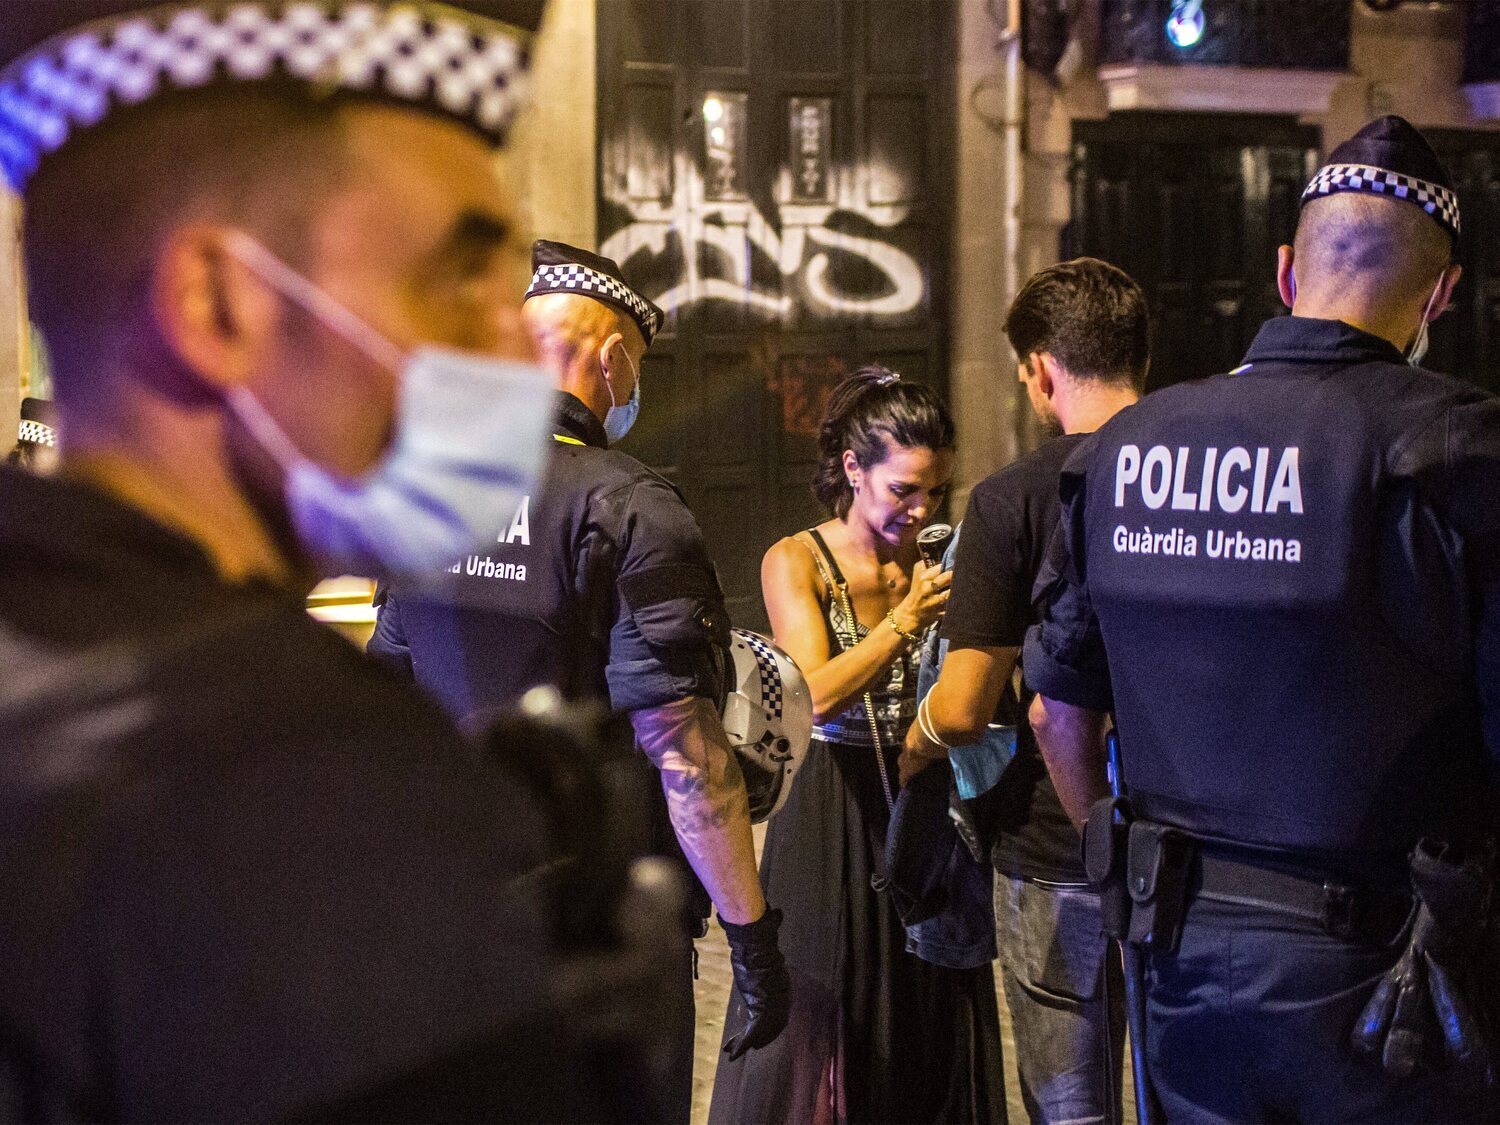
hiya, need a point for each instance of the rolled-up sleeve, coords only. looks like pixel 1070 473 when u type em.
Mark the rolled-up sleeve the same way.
pixel 670 636
pixel 1064 656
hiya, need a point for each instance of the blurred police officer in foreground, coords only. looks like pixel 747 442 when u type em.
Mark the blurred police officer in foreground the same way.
pixel 1285 583
pixel 601 586
pixel 36 439
pixel 244 872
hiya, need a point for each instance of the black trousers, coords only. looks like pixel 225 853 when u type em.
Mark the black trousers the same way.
pixel 677 1091
pixel 1250 1021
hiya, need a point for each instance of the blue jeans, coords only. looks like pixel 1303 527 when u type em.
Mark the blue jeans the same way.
pixel 1053 959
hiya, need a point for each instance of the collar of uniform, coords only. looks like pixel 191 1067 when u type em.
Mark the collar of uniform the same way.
pixel 1305 339
pixel 55 522
pixel 577 421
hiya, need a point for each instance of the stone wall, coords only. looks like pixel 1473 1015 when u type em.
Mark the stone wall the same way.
pixel 552 156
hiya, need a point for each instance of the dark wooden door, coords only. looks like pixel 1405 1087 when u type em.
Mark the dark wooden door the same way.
pixel 1466 339
pixel 774 174
pixel 1193 206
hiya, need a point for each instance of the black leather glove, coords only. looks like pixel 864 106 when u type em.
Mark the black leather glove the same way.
pixel 1420 995
pixel 760 975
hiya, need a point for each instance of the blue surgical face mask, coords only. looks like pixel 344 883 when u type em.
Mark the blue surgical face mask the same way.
pixel 619 419
pixel 470 440
pixel 621 416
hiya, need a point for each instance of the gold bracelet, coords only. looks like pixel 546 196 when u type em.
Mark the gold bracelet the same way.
pixel 909 638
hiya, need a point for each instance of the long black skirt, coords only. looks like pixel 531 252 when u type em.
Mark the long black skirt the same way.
pixel 876 1034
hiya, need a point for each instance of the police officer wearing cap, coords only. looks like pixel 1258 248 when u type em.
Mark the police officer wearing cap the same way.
pixel 36 440
pixel 1284 583
pixel 600 586
pixel 245 874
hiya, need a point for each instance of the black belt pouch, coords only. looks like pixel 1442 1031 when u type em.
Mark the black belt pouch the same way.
pixel 1156 874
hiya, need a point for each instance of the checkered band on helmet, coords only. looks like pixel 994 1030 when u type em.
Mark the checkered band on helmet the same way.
pixel 1436 200
pixel 426 54
pixel 570 277
pixel 770 677
pixel 37 433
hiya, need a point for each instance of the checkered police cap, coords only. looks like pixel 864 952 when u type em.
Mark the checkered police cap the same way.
pixel 1390 157
pixel 38 419
pixel 426 55
pixel 35 433
pixel 560 268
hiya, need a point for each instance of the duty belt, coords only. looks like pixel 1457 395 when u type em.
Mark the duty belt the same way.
pixel 1351 912
pixel 1149 874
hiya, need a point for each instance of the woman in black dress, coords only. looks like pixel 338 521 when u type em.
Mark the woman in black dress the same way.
pixel 876 1034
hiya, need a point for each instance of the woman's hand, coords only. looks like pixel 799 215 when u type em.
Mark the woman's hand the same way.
pixel 927 599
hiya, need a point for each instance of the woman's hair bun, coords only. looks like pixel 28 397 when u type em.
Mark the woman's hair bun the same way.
pixel 870 409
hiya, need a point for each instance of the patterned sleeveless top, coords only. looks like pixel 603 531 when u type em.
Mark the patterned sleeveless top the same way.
pixel 894 694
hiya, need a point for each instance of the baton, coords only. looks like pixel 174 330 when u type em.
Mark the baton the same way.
pixel 1113 1111
pixel 1147 1111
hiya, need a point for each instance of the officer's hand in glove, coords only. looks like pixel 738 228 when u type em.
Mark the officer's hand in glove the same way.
pixel 764 985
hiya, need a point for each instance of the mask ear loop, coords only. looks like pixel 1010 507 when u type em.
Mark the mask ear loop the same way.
pixel 1418 345
pixel 1426 312
pixel 609 387
pixel 263 428
pixel 609 383
pixel 297 289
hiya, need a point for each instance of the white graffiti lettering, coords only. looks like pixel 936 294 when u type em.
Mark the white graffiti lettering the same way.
pixel 734 230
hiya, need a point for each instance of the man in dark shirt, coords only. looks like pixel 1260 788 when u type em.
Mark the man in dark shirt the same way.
pixel 244 872
pixel 1285 583
pixel 601 587
pixel 1080 330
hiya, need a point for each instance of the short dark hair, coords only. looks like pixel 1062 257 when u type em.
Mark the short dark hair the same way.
pixel 1091 316
pixel 98 210
pixel 865 413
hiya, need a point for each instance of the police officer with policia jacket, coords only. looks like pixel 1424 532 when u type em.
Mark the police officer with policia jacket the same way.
pixel 600 586
pixel 1284 582
pixel 244 872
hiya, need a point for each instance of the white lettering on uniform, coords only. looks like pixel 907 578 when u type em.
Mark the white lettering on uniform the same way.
pixel 1218 544
pixel 1233 500
pixel 482 566
pixel 1287 487
pixel 520 525
pixel 1258 498
pixel 1127 471
pixel 1228 482
pixel 1206 486
pixel 1244 548
pixel 1158 458
pixel 1182 499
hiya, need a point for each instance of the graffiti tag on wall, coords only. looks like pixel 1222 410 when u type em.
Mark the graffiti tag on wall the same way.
pixel 720 244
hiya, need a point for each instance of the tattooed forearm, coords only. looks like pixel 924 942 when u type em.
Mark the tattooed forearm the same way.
pixel 706 801
pixel 701 802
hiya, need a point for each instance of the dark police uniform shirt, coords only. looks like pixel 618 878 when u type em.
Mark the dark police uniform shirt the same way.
pixel 244 871
pixel 600 586
pixel 1293 571
pixel 1007 527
